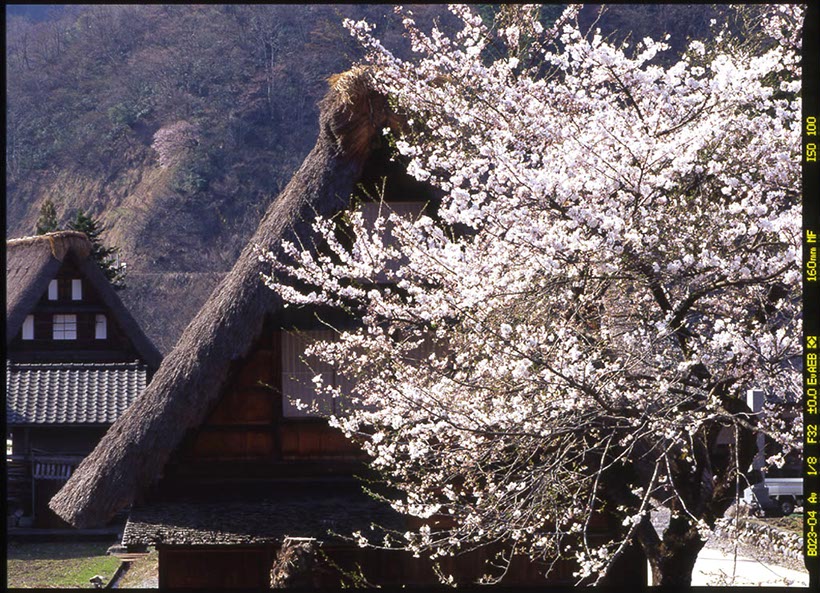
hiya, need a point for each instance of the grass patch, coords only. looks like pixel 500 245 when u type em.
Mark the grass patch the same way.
pixel 45 565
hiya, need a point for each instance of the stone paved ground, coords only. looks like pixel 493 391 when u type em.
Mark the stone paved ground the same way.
pixel 715 567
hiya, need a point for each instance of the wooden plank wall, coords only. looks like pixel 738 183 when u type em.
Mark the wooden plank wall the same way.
pixel 244 422
pixel 248 423
pixel 220 567
pixel 234 567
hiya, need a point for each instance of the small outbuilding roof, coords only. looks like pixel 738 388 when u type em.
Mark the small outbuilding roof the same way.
pixel 71 393
pixel 321 510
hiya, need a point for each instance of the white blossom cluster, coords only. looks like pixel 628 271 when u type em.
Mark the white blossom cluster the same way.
pixel 614 263
pixel 173 142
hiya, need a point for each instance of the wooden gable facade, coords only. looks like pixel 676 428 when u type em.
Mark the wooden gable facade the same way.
pixel 90 330
pixel 259 477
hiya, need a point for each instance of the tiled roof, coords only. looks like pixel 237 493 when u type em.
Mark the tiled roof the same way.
pixel 71 393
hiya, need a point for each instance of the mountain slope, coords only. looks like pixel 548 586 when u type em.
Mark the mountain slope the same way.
pixel 173 125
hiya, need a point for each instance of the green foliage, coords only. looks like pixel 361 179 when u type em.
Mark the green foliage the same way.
pixel 189 180
pixel 106 257
pixel 196 172
pixel 47 222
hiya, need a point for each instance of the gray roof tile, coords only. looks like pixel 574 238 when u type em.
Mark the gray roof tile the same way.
pixel 71 393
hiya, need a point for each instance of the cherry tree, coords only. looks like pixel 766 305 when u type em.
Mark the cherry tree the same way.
pixel 613 264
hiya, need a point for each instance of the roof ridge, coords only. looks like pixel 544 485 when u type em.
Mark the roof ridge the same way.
pixel 55 364
pixel 28 239
pixel 60 241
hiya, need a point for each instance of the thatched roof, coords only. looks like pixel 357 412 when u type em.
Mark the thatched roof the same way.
pixel 32 262
pixel 134 451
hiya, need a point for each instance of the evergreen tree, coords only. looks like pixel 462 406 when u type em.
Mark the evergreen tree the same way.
pixel 47 222
pixel 106 257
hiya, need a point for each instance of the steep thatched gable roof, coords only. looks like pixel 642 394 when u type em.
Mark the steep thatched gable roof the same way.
pixel 134 451
pixel 32 262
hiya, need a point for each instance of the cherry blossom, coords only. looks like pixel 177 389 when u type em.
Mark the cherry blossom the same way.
pixel 613 265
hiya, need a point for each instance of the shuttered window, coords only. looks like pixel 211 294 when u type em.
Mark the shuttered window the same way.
pixel 101 328
pixel 298 373
pixel 76 289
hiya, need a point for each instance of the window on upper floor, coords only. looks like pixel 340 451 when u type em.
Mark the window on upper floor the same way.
pixel 52 290
pixel 64 327
pixel 76 289
pixel 101 328
pixel 298 373
pixel 28 327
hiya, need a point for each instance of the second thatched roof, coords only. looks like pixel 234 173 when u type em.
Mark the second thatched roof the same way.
pixel 134 451
pixel 33 262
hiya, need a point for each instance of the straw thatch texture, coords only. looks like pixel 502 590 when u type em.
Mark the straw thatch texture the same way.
pixel 32 262
pixel 134 451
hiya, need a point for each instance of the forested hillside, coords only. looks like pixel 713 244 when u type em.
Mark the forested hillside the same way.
pixel 175 125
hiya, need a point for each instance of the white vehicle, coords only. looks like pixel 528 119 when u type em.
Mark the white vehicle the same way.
pixel 781 494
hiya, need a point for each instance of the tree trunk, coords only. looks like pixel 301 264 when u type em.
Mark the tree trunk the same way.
pixel 674 567
pixel 672 559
